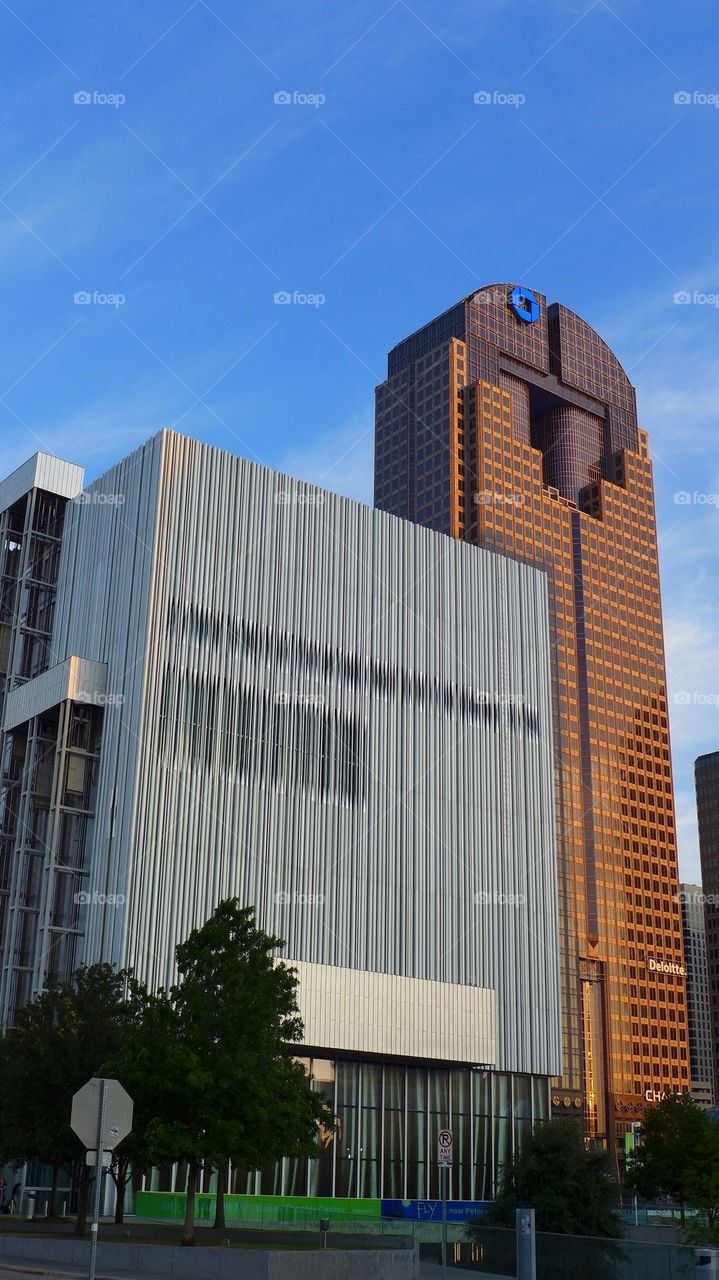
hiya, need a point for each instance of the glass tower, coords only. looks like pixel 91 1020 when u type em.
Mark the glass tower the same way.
pixel 510 424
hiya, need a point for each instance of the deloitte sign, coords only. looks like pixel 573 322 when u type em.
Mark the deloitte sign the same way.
pixel 666 966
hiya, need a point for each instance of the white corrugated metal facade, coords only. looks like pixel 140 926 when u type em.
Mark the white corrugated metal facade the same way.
pixel 338 716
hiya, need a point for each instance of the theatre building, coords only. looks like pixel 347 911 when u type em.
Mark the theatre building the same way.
pixel 216 680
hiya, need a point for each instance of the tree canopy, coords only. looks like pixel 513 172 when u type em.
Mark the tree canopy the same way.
pixel 678 1156
pixel 209 1063
pixel 231 1085
pixel 567 1183
pixel 59 1041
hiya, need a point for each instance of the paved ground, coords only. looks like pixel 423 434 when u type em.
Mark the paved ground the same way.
pixel 430 1271
pixel 9 1270
pixel 21 1268
pixel 16 1270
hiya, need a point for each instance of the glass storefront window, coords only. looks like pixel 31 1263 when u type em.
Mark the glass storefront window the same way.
pixel 482 1122
pixel 394 1133
pixel 347 1138
pixel 461 1125
pixel 417 1099
pixel 384 1144
pixel 439 1118
pixel 522 1108
pixel 502 1125
pixel 321 1170
pixel 540 1100
pixel 370 1130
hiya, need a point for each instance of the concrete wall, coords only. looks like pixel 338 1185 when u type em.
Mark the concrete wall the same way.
pixel 219 1264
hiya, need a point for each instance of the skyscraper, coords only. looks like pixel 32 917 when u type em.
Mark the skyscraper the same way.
pixel 510 424
pixel 706 774
pixel 701 1058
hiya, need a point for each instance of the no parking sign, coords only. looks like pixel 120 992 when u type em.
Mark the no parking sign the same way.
pixel 445 1147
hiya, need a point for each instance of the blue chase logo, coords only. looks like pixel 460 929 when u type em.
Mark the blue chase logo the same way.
pixel 524 304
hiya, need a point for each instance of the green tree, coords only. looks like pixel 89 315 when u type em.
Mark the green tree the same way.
pixel 569 1186
pixel 58 1042
pixel 144 1041
pixel 567 1183
pixel 678 1156
pixel 226 1083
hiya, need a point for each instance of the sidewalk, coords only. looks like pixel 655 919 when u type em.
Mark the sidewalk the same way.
pixel 433 1271
pixel 41 1267
pixel 30 1267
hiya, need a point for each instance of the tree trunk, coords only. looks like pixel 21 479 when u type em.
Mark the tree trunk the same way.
pixel 120 1184
pixel 82 1197
pixel 222 1174
pixel 188 1231
pixel 52 1202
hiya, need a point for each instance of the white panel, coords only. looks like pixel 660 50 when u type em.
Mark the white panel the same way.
pixel 42 471
pixel 361 1012
pixel 75 679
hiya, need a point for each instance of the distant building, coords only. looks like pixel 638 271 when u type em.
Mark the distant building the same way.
pixel 701 1056
pixel 706 773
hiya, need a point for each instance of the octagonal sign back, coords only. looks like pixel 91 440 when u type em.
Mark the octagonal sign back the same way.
pixel 85 1116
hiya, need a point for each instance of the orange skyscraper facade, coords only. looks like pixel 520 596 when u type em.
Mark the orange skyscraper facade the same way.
pixel 511 424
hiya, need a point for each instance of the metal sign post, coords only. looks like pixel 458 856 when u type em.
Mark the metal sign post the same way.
pixel 98 1178
pixel 526 1245
pixel 101 1115
pixel 445 1159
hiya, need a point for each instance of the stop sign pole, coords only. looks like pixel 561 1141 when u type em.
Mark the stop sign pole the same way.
pixel 98 1177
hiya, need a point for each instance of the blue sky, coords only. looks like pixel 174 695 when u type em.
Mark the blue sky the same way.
pixel 384 187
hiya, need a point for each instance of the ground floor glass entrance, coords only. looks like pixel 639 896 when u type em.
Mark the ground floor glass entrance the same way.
pixel 388 1117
